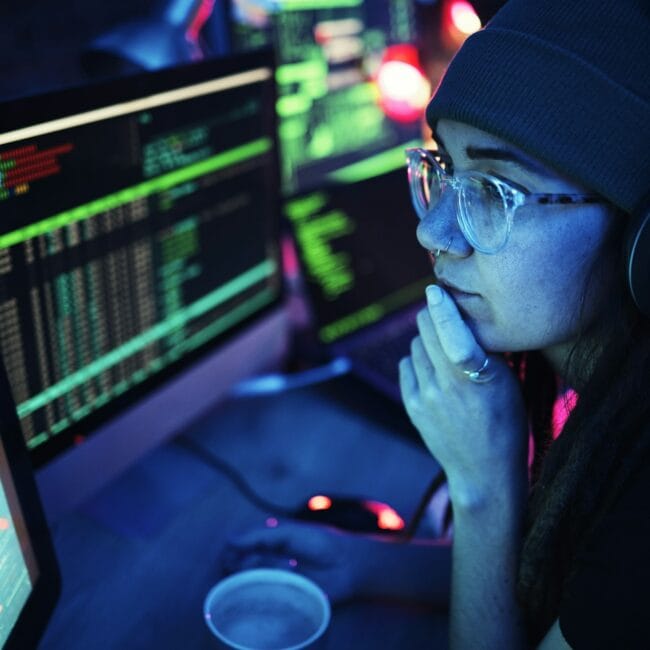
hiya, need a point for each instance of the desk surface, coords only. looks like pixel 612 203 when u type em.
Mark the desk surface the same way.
pixel 139 558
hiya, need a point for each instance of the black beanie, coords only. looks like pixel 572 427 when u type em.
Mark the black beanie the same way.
pixel 566 81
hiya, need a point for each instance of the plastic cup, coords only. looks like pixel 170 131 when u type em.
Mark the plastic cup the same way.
pixel 267 609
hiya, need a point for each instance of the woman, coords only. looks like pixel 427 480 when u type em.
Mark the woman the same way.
pixel 541 176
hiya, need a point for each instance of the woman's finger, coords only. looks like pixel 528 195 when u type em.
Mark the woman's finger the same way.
pixel 265 540
pixel 454 338
pixel 407 381
pixel 430 338
pixel 231 562
pixel 422 366
pixel 408 384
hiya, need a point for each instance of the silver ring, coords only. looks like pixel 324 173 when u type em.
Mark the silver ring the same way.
pixel 481 375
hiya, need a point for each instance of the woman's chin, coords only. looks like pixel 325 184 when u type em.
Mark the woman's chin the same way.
pixel 493 342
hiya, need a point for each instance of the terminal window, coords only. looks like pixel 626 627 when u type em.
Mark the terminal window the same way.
pixel 360 258
pixel 133 235
pixel 328 52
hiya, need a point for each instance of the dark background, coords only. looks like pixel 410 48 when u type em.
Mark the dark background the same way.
pixel 45 44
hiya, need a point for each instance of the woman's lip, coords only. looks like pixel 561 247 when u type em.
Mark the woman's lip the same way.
pixel 455 290
pixel 461 295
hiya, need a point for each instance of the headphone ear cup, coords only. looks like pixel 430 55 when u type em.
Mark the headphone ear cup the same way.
pixel 638 260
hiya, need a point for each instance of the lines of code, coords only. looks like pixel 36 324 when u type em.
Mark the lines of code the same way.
pixel 151 240
pixel 315 234
pixel 328 102
pixel 359 253
pixel 176 150
pixel 21 167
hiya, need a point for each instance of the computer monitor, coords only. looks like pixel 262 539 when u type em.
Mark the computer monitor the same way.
pixel 331 114
pixel 29 575
pixel 359 255
pixel 139 260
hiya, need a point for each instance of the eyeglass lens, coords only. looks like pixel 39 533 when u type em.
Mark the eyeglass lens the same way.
pixel 481 204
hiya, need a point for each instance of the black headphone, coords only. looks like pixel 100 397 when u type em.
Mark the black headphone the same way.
pixel 637 257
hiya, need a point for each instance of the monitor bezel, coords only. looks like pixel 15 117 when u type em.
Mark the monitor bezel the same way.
pixel 18 112
pixel 26 111
pixel 46 590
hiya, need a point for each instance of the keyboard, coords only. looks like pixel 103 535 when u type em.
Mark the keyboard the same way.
pixel 381 352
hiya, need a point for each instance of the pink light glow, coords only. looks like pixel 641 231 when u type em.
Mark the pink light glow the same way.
pixel 387 518
pixel 464 17
pixel 289 258
pixel 203 13
pixel 403 88
pixel 562 408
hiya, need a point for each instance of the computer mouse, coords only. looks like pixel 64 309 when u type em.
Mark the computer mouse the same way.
pixel 352 514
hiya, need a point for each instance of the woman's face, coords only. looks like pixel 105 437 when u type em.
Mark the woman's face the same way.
pixel 528 295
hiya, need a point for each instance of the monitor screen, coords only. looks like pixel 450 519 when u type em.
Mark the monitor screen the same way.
pixel 18 568
pixel 138 236
pixel 29 577
pixel 331 114
pixel 359 254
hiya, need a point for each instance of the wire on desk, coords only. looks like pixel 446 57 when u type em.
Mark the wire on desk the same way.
pixel 240 482
pixel 409 531
pixel 235 476
pixel 277 382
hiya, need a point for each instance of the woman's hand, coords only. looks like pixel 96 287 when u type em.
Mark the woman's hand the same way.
pixel 476 430
pixel 329 557
pixel 348 565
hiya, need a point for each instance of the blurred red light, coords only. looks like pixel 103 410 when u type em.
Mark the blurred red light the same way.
pixel 202 14
pixel 403 88
pixel 464 17
pixel 319 502
pixel 390 520
pixel 387 518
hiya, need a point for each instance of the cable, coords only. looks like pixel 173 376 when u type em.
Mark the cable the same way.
pixel 236 477
pixel 240 482
pixel 277 382
pixel 407 534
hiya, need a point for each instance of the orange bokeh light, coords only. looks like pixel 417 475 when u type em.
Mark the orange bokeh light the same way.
pixel 319 502
pixel 387 518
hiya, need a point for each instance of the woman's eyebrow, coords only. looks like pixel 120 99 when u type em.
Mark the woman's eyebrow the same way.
pixel 497 153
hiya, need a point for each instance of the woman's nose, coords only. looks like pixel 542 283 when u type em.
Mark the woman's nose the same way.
pixel 439 230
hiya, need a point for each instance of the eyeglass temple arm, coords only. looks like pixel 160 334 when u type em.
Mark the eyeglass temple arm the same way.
pixel 560 198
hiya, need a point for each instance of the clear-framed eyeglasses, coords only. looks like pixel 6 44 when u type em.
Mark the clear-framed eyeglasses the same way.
pixel 485 204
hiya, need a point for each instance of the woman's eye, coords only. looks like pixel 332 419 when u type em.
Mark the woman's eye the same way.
pixel 490 191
